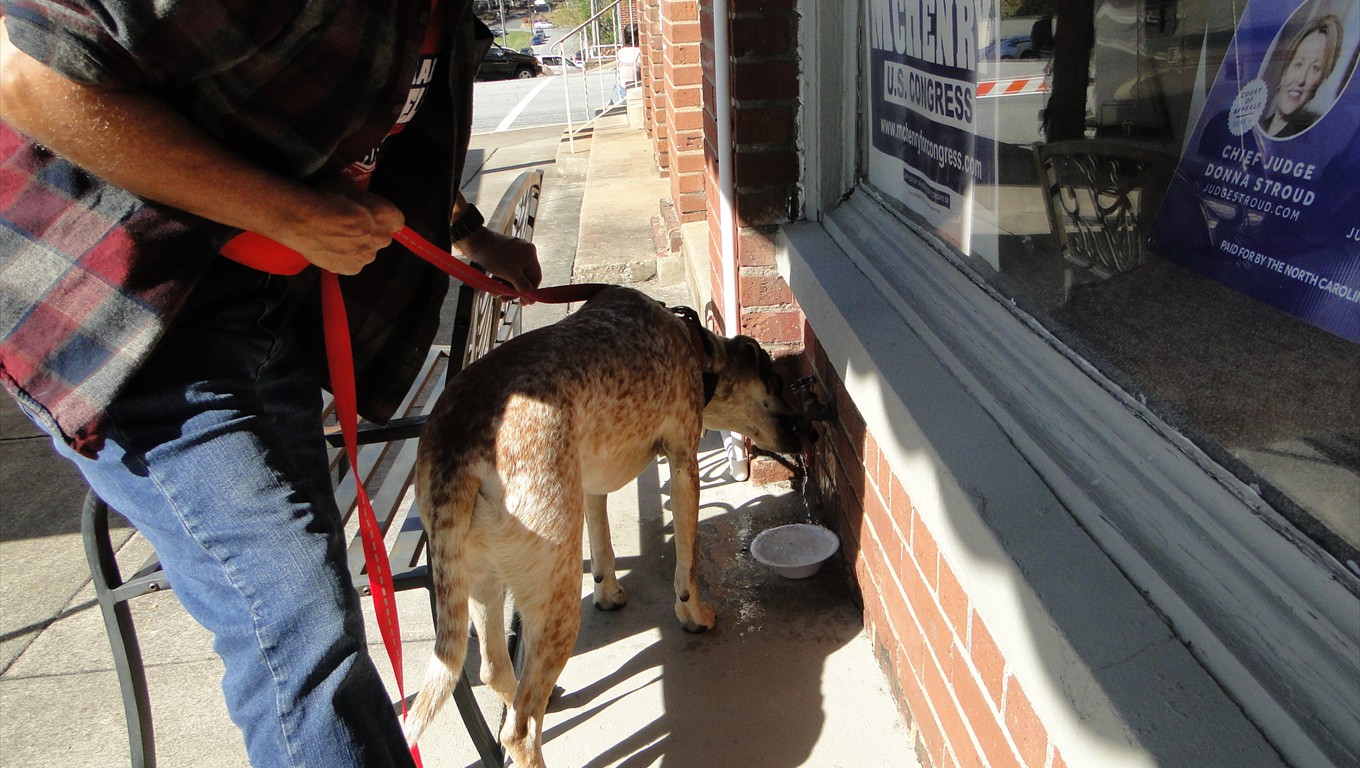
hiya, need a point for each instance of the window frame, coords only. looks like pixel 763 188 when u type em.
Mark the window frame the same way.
pixel 1265 610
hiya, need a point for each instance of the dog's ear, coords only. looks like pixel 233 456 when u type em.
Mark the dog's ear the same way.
pixel 748 355
pixel 750 350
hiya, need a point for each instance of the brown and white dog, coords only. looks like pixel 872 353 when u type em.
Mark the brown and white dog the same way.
pixel 518 455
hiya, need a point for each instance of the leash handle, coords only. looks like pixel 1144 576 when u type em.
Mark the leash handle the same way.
pixel 340 361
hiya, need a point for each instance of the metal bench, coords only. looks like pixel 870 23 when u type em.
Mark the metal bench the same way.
pixel 386 461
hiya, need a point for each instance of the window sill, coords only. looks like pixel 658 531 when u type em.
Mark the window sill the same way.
pixel 1079 558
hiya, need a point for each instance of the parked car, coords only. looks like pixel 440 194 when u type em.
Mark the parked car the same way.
pixel 552 62
pixel 1014 47
pixel 543 25
pixel 539 38
pixel 503 63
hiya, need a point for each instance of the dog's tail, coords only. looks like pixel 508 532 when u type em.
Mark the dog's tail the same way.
pixel 447 527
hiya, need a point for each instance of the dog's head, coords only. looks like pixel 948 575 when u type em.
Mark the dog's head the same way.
pixel 748 395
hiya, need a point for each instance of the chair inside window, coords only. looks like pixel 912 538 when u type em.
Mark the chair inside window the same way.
pixel 1101 197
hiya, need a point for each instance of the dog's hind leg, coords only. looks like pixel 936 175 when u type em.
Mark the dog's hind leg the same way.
pixel 694 614
pixel 548 598
pixel 609 595
pixel 488 616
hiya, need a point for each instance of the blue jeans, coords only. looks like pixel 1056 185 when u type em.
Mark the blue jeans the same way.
pixel 215 454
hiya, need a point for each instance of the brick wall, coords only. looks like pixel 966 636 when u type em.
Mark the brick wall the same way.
pixel 948 675
pixel 764 107
pixel 681 80
pixel 653 76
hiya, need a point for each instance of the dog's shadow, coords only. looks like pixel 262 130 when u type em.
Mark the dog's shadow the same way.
pixel 748 692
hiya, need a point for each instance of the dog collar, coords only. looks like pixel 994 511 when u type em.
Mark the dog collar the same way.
pixel 701 348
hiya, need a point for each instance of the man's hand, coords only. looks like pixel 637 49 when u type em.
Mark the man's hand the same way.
pixel 338 232
pixel 508 258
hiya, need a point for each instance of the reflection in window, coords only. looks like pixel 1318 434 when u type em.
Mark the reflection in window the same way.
pixel 1169 185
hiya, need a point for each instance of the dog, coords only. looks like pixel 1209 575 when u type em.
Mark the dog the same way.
pixel 517 457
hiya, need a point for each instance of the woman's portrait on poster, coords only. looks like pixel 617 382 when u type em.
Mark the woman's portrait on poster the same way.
pixel 1303 72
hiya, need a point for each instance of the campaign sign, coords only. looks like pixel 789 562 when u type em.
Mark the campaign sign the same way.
pixel 1266 198
pixel 922 62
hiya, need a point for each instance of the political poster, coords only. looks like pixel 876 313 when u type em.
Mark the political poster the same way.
pixel 1266 197
pixel 922 62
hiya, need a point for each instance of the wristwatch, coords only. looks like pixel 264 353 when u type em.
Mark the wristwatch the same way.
pixel 466 224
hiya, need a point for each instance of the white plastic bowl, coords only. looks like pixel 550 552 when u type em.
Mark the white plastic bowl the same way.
pixel 795 551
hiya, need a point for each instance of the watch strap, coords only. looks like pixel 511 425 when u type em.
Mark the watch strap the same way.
pixel 465 225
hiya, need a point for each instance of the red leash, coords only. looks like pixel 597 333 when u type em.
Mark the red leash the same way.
pixel 259 252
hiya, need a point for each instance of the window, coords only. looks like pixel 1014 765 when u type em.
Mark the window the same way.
pixel 1169 187
pixel 1200 422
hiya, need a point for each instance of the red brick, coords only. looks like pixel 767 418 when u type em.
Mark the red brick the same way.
pixel 688 182
pixel 933 623
pixel 953 600
pixel 848 459
pixel 688 119
pixel 760 36
pixel 755 248
pixel 767 470
pixel 762 6
pixel 852 422
pixel 764 169
pixel 761 207
pixel 980 713
pixel 871 466
pixel 987 658
pixel 765 80
pixel 764 291
pixel 689 143
pixel 913 648
pixel 849 506
pixel 683 33
pixel 773 326
pixel 931 734
pixel 878 514
pixel 683 55
pixel 925 551
pixel 1029 734
pixel 951 719
pixel 689 202
pixel 686 162
pixel 900 504
pixel 683 97
pixel 680 10
pixel 679 75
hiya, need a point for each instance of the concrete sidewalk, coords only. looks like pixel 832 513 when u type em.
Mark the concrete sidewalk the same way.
pixel 786 679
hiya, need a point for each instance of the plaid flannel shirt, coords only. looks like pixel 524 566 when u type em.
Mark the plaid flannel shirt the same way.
pixel 91 276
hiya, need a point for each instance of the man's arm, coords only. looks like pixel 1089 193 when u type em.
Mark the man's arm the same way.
pixel 133 140
pixel 509 258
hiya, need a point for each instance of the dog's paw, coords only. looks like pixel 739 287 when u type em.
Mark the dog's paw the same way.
pixel 609 596
pixel 694 615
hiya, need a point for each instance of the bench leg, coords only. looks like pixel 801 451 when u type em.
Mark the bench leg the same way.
pixel 127 653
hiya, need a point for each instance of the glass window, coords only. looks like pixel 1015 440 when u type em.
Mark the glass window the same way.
pixel 1172 187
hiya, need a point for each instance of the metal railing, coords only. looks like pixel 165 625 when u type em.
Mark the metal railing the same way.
pixel 583 34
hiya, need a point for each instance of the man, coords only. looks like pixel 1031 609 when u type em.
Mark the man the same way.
pixel 137 139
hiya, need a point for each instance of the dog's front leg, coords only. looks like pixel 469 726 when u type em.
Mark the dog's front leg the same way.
pixel 694 614
pixel 609 595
